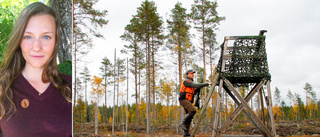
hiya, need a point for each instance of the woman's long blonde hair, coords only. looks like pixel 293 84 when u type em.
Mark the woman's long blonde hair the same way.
pixel 13 61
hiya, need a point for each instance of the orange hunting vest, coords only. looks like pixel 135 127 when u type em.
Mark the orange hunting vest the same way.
pixel 189 91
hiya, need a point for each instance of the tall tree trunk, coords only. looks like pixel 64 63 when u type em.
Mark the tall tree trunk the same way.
pixel 306 104
pixel 153 86
pixel 96 119
pixel 114 91
pixel 211 74
pixel 168 105
pixel 75 83
pixel 181 112
pixel 118 117
pixel 204 60
pixel 148 87
pixel 63 8
pixel 139 100
pixel 180 74
pixel 136 85
pixel 105 93
pixel 85 95
pixel 127 97
pixel 75 71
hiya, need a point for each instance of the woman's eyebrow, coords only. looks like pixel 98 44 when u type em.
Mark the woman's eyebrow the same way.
pixel 42 33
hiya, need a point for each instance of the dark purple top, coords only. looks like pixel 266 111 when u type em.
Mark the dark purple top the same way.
pixel 48 114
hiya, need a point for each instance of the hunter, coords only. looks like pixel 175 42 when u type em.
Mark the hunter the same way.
pixel 187 89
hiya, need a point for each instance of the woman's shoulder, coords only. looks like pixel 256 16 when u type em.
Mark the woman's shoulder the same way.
pixel 66 77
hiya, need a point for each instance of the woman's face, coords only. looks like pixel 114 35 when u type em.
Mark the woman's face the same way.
pixel 38 40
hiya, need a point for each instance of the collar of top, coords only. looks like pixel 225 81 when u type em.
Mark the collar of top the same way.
pixel 189 78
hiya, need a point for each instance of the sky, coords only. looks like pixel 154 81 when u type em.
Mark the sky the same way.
pixel 292 40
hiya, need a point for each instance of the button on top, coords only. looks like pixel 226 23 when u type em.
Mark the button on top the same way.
pixel 25 103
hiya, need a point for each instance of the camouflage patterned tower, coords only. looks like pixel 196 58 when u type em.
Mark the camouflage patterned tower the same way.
pixel 244 62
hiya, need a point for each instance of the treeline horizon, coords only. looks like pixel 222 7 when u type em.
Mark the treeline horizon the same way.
pixel 168 113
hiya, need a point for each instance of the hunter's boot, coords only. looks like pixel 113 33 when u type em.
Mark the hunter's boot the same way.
pixel 188 124
pixel 184 124
pixel 186 133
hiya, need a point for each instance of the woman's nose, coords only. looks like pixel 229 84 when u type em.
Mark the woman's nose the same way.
pixel 37 45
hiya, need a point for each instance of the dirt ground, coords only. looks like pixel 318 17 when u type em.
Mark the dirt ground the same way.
pixel 303 128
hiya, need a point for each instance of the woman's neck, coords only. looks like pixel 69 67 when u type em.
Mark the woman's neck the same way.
pixel 34 77
pixel 33 74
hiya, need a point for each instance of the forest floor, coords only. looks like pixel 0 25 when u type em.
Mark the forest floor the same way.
pixel 305 128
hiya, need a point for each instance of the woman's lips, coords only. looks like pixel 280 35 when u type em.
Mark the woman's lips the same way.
pixel 37 56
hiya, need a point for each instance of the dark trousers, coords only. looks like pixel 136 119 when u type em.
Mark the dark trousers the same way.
pixel 189 109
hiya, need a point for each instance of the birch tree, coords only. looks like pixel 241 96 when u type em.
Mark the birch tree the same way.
pixel 96 94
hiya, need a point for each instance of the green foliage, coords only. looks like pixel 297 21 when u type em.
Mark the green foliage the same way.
pixel 178 27
pixel 309 91
pixel 199 72
pixel 9 11
pixel 165 114
pixel 132 35
pixel 85 75
pixel 66 67
pixel 302 111
pixel 106 113
pixel 80 111
pixel 205 15
pixel 179 37
pixel 90 113
pixel 84 11
pixel 106 69
pixel 276 96
pixel 120 68
pixel 290 96
pixel 149 18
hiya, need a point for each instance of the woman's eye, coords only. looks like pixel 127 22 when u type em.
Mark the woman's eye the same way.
pixel 46 37
pixel 27 37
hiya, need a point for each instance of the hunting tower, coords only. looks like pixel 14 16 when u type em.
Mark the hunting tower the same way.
pixel 243 62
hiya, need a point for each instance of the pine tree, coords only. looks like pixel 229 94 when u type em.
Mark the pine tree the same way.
pixel 106 70
pixel 150 27
pixel 308 89
pixel 179 33
pixel 82 40
pixel 85 76
pixel 132 35
pixel 179 40
pixel 120 75
pixel 276 96
pixel 290 96
pixel 205 16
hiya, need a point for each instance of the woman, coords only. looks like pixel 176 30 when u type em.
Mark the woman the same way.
pixel 35 99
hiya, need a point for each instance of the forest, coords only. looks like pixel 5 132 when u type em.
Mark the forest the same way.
pixel 156 109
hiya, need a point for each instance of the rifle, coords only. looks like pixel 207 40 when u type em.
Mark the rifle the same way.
pixel 197 93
